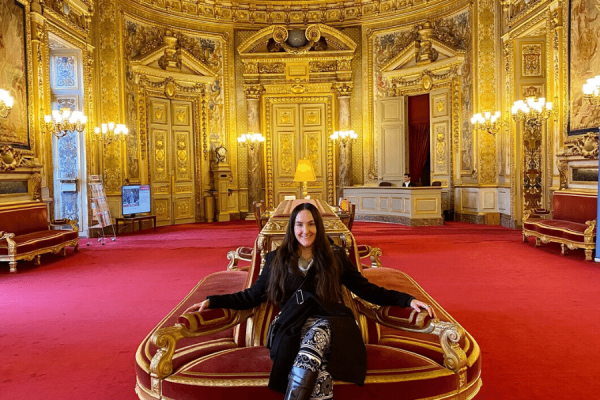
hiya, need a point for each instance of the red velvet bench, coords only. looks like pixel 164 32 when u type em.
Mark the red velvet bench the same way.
pixel 220 354
pixel 572 223
pixel 25 233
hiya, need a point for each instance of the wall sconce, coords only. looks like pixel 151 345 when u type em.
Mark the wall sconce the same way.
pixel 6 103
pixel 591 90
pixel 64 121
pixel 343 137
pixel 250 140
pixel 304 173
pixel 487 122
pixel 111 132
pixel 532 108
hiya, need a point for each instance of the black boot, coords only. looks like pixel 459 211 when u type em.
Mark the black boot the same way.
pixel 301 383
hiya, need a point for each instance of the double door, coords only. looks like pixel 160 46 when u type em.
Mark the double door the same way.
pixel 172 177
pixel 299 132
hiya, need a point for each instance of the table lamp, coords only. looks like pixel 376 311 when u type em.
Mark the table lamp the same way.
pixel 304 173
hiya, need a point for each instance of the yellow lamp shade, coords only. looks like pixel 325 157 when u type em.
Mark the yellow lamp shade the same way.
pixel 304 172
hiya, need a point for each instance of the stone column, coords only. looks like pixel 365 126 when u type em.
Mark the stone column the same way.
pixel 345 148
pixel 255 170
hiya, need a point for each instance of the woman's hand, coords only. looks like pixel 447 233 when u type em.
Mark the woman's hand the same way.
pixel 419 305
pixel 198 307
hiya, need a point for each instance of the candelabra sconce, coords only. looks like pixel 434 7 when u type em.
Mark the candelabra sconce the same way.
pixel 591 90
pixel 111 132
pixel 251 140
pixel 491 123
pixel 64 121
pixel 6 103
pixel 532 109
pixel 343 137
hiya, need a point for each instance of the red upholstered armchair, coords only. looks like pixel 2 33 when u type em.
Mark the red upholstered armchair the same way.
pixel 220 354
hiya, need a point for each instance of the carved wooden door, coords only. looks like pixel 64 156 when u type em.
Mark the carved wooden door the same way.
pixel 171 161
pixel 299 132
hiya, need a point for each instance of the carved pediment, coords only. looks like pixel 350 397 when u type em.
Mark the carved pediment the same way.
pixel 315 38
pixel 171 60
pixel 430 53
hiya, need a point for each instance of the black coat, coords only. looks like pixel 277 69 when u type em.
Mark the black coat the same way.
pixel 348 358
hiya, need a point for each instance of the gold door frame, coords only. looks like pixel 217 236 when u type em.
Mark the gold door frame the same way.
pixel 170 90
pixel 317 98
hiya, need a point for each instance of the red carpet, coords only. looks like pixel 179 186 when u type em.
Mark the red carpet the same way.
pixel 69 328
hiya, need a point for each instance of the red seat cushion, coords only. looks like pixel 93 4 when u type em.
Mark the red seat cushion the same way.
pixel 558 228
pixel 231 373
pixel 37 240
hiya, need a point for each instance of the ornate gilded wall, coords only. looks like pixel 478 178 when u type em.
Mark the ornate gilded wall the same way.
pixel 454 29
pixel 112 35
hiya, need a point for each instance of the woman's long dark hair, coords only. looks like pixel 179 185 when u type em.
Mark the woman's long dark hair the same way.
pixel 285 263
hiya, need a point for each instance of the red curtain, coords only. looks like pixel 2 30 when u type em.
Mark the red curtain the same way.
pixel 418 134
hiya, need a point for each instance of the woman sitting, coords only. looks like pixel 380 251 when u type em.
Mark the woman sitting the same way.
pixel 315 338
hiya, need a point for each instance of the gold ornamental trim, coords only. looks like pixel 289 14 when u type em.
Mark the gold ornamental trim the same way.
pixel 252 13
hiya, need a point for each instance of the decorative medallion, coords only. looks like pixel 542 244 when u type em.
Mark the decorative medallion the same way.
pixel 427 82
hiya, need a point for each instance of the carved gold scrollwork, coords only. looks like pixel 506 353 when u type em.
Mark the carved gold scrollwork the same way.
pixel 585 146
pixel 35 186
pixel 11 159
pixel 343 88
pixel 563 168
pixel 312 33
pixel 253 91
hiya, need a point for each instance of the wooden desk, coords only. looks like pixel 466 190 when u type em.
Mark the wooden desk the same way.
pixel 133 220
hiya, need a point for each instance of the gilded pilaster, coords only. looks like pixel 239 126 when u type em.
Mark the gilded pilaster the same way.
pixel 559 131
pixel 39 38
pixel 486 87
pixel 109 93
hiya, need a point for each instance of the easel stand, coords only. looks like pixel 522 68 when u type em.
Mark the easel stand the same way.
pixel 100 212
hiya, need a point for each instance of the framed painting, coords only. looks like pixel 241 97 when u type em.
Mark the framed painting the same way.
pixel 14 129
pixel 584 63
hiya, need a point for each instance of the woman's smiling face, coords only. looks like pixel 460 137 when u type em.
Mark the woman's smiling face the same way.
pixel 305 229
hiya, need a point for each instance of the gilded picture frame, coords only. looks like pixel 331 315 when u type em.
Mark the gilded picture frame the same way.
pixel 584 61
pixel 15 72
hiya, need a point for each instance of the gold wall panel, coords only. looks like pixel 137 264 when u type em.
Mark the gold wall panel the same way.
pixel 286 117
pixel 159 114
pixel 184 208
pixel 182 156
pixel 286 150
pixel 440 105
pixel 312 117
pixel 162 210
pixel 440 135
pixel 531 62
pixel 160 151
pixel 181 115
